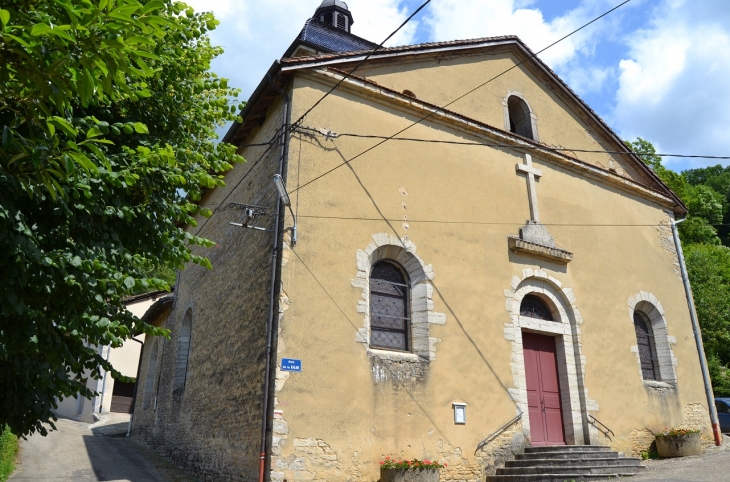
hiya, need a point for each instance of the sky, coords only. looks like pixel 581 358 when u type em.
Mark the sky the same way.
pixel 657 69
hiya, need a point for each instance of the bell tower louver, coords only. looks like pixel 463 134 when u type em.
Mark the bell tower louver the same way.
pixel 335 13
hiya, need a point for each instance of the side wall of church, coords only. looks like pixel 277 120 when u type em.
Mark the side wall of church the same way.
pixel 444 213
pixel 212 427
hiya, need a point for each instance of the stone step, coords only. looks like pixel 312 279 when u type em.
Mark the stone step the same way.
pixel 571 469
pixel 551 478
pixel 592 454
pixel 568 448
pixel 574 462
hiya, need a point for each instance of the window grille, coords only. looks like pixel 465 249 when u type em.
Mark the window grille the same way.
pixel 647 348
pixel 389 308
pixel 341 21
pixel 327 18
pixel 183 352
pixel 534 307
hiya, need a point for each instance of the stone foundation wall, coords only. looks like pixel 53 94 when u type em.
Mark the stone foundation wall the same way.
pixel 695 416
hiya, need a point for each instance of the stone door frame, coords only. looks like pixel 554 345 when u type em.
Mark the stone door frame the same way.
pixel 571 363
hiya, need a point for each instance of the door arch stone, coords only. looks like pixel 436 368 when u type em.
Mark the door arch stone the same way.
pixel 576 403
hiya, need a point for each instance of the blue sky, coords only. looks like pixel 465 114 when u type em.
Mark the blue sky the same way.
pixel 658 69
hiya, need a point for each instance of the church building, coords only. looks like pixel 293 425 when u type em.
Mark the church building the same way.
pixel 443 255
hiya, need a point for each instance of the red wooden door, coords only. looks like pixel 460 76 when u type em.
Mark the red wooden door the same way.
pixel 543 390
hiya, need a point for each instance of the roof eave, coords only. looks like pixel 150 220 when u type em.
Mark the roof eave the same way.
pixel 264 86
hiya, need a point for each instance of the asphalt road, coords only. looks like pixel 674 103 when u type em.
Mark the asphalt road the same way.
pixel 713 466
pixel 75 453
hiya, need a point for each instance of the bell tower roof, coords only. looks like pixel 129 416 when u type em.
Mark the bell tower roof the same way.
pixel 334 13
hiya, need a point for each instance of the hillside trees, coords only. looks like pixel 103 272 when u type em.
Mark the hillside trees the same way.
pixel 108 113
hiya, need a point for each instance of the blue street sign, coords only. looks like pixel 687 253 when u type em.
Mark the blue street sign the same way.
pixel 291 365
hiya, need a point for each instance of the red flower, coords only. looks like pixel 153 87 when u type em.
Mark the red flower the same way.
pixel 382 463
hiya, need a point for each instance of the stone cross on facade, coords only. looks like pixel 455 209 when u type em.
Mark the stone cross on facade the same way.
pixel 532 174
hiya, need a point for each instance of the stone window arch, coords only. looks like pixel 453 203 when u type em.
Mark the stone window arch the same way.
pixel 401 253
pixel 653 347
pixel 390 300
pixel 519 117
pixel 149 385
pixel 183 351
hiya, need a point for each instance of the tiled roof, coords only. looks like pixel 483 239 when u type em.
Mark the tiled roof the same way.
pixel 330 39
pixel 400 49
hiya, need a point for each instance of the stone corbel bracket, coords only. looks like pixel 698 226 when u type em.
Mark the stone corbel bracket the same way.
pixel 527 248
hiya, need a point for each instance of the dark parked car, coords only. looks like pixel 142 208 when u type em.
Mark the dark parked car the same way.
pixel 723 413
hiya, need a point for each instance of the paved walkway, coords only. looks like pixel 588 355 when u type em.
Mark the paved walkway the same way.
pixel 78 451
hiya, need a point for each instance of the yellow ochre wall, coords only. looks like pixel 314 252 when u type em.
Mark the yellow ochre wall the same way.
pixel 337 418
pixel 441 80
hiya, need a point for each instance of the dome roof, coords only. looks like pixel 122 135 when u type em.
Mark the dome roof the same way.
pixel 333 3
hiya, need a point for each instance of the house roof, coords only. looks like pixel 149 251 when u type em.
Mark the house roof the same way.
pixel 152 295
pixel 280 72
pixel 157 308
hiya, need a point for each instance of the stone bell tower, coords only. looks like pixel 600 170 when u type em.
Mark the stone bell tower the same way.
pixel 335 13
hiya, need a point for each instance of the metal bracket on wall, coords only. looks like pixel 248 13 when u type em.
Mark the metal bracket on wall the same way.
pixel 251 213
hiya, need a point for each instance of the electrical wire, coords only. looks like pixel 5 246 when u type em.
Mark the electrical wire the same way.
pixel 333 135
pixel 486 223
pixel 380 46
pixel 459 98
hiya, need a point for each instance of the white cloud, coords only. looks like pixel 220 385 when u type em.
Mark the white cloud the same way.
pixel 462 19
pixel 673 84
pixel 587 80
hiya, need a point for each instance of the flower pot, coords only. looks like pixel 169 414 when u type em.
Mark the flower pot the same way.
pixel 678 445
pixel 409 475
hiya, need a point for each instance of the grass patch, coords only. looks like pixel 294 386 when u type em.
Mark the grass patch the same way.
pixel 8 450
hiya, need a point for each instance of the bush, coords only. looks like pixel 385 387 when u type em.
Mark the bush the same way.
pixel 8 449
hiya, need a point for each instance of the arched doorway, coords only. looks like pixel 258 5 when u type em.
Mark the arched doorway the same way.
pixel 547 363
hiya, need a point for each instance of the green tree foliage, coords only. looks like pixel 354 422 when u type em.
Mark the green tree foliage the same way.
pixel 108 113
pixel 718 178
pixel 708 267
pixel 647 153
pixel 706 206
pixel 8 450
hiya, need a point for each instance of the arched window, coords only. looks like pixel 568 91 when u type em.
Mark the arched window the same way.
pixel 520 121
pixel 183 351
pixel 534 307
pixel 647 347
pixel 390 322
pixel 149 385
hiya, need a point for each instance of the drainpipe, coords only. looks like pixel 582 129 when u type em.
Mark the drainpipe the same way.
pixel 136 385
pixel 272 286
pixel 698 337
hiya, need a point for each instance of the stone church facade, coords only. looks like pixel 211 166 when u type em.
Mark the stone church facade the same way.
pixel 501 274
